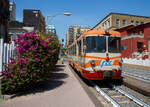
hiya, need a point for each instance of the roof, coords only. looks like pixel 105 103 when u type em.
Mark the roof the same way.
pixel 119 14
pixel 100 32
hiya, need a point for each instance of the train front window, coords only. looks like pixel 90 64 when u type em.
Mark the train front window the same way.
pixel 96 44
pixel 114 45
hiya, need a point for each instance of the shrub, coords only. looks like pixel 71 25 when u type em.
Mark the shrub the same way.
pixel 36 55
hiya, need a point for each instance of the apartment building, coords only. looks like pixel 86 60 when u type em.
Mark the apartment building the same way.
pixel 12 9
pixel 119 20
pixel 34 18
pixel 74 32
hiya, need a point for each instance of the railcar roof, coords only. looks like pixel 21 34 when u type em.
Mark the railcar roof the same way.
pixel 97 32
pixel 101 32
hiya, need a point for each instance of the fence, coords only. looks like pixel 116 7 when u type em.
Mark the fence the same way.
pixel 7 51
pixel 145 62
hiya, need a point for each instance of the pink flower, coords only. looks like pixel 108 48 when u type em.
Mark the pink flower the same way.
pixel 44 44
pixel 12 75
pixel 49 37
pixel 37 59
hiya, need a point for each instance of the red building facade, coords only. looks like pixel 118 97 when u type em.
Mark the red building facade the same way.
pixel 135 41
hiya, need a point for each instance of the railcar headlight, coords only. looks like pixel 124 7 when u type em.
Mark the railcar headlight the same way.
pixel 107 31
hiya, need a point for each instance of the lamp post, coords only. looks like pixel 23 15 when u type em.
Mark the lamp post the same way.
pixel 52 16
pixel 50 27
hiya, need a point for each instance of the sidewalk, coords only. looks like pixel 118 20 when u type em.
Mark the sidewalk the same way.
pixel 61 90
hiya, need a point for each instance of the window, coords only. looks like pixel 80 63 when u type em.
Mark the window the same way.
pixel 142 22
pixel 124 47
pixel 137 22
pixel 139 47
pixel 117 23
pixel 96 44
pixel 105 23
pixel 79 45
pixel 114 44
pixel 11 8
pixel 84 45
pixel 132 22
pixel 108 23
pixel 123 22
pixel 75 49
pixel 36 15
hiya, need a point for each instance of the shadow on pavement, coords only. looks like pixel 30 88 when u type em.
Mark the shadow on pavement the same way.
pixel 53 80
pixel 60 65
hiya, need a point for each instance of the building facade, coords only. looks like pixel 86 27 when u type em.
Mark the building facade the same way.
pixel 12 9
pixel 34 18
pixel 135 41
pixel 4 16
pixel 74 32
pixel 50 29
pixel 16 29
pixel 119 20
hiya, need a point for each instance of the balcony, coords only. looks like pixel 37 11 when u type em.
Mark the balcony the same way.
pixel 133 36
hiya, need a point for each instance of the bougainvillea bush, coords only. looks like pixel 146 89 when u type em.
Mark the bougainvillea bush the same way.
pixel 36 56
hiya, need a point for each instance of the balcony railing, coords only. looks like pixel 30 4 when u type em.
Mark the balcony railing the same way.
pixel 133 36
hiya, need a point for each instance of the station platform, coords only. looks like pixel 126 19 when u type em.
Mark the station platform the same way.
pixel 62 89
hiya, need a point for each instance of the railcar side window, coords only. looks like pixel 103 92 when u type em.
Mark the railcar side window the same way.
pixel 96 44
pixel 79 44
pixel 114 45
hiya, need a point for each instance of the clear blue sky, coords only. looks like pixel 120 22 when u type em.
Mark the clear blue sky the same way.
pixel 84 12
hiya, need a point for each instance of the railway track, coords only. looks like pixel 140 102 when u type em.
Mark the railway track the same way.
pixel 136 76
pixel 118 97
pixel 139 74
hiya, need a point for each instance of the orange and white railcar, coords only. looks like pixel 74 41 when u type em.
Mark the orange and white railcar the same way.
pixel 97 55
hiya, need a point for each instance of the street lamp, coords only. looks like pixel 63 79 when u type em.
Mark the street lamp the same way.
pixel 67 14
pixel 50 27
pixel 52 16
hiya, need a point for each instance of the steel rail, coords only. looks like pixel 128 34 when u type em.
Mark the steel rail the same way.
pixel 137 77
pixel 141 103
pixel 113 102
